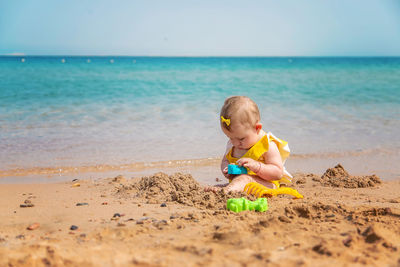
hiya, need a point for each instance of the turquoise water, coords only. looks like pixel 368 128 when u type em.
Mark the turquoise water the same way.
pixel 58 111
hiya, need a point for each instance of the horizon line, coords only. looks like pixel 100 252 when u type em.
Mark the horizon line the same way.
pixel 194 56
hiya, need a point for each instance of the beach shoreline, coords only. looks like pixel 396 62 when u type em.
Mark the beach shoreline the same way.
pixel 207 169
pixel 137 222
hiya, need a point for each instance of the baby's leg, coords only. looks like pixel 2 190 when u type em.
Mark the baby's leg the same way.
pixel 264 182
pixel 241 181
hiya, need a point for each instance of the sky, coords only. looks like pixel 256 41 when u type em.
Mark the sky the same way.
pixel 200 27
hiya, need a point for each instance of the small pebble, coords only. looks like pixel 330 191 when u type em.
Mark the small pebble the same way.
pixel 116 216
pixel 142 220
pixel 20 237
pixel 104 203
pixel 74 180
pixel 73 227
pixel 27 205
pixel 76 185
pixel 163 205
pixel 284 219
pixel 33 226
pixel 82 204
pixel 347 241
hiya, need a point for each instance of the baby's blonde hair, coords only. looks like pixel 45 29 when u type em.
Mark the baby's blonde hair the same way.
pixel 239 109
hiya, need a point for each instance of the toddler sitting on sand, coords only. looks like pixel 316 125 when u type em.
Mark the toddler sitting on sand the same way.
pixel 249 146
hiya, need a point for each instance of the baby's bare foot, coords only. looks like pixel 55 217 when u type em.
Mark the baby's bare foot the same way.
pixel 215 188
pixel 212 189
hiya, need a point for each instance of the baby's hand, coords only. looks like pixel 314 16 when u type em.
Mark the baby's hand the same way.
pixel 226 174
pixel 252 164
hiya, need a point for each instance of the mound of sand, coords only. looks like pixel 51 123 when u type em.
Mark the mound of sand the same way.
pixel 179 188
pixel 339 177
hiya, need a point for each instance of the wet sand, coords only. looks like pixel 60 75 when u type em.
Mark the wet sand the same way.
pixel 205 170
pixel 168 220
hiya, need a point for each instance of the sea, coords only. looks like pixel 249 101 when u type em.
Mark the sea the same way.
pixel 59 112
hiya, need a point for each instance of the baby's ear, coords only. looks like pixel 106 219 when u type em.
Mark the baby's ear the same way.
pixel 258 127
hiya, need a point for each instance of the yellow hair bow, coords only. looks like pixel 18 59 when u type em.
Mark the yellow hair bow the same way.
pixel 227 121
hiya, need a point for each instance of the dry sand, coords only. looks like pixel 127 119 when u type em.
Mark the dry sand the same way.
pixel 162 220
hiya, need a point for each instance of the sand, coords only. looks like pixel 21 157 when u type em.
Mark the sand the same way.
pixel 168 220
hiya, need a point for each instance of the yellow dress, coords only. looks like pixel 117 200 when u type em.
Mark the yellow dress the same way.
pixel 257 151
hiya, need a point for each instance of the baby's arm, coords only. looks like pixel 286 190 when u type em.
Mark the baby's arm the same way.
pixel 271 169
pixel 224 166
pixel 225 162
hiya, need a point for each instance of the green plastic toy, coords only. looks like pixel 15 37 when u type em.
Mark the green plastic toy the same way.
pixel 241 204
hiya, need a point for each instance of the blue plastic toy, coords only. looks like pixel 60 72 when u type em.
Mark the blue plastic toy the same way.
pixel 235 169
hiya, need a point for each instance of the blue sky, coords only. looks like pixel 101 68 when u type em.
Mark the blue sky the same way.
pixel 201 27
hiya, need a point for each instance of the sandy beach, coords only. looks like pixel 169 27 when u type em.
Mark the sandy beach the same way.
pixel 168 220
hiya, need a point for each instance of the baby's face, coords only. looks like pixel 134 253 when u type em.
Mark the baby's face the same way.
pixel 242 136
